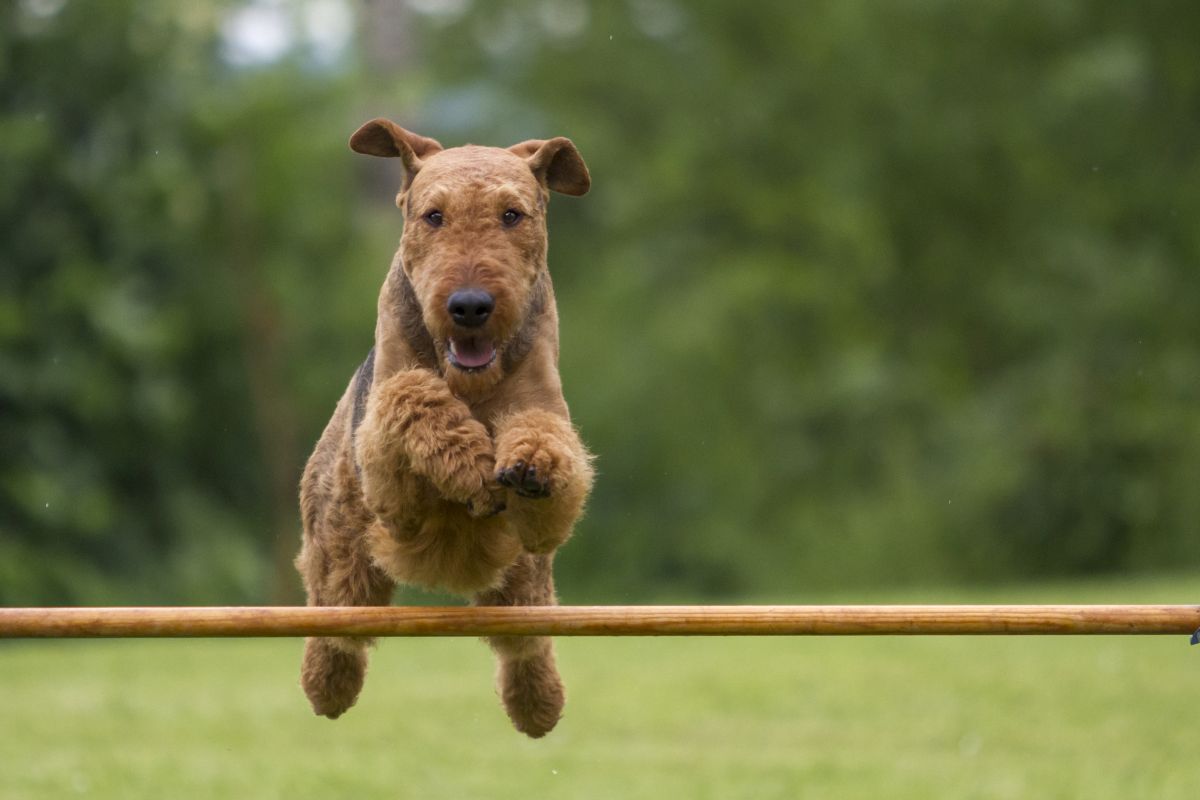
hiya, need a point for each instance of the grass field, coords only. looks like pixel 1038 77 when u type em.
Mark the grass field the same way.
pixel 1018 717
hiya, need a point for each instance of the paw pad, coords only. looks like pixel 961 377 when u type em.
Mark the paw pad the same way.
pixel 525 480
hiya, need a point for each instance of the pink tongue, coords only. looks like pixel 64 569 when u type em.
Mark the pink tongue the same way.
pixel 472 353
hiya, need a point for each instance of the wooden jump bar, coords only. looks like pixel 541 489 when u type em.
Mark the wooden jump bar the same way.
pixel 812 620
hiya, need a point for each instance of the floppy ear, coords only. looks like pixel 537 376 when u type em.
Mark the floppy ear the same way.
pixel 556 163
pixel 384 138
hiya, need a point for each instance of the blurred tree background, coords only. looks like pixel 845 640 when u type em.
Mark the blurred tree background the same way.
pixel 864 293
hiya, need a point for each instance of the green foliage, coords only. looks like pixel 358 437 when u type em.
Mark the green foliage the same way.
pixel 159 212
pixel 863 293
pixel 883 293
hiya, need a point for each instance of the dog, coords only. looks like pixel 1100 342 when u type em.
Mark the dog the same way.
pixel 450 462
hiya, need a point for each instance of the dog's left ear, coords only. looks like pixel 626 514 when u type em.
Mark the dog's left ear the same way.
pixel 556 163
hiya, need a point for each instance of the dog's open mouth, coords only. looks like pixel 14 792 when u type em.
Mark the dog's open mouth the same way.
pixel 471 353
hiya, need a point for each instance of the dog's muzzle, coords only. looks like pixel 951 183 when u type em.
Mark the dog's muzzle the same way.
pixel 471 308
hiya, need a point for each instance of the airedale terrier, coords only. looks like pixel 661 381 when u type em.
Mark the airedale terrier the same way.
pixel 451 462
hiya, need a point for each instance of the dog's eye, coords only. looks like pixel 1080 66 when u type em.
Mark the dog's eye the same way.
pixel 434 218
pixel 511 217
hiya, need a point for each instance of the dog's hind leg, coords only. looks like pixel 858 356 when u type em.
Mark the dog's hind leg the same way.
pixel 527 678
pixel 334 668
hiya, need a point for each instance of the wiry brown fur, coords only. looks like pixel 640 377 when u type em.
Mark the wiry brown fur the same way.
pixel 440 477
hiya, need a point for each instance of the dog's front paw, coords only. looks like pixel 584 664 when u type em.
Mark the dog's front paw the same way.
pixel 479 490
pixel 539 456
pixel 487 502
pixel 525 479
pixel 532 466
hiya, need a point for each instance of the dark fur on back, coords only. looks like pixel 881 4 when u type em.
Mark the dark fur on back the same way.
pixel 363 378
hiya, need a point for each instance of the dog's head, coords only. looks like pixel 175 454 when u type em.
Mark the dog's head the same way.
pixel 474 242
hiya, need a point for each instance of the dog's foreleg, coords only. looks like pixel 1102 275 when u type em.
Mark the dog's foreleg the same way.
pixel 413 422
pixel 540 457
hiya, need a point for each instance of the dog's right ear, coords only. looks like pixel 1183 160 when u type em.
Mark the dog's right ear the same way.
pixel 384 138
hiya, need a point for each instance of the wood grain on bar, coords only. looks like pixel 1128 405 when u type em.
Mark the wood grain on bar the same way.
pixel 598 621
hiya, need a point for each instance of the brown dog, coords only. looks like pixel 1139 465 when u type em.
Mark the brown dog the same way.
pixel 451 462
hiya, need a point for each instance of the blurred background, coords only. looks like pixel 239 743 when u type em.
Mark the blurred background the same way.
pixel 864 295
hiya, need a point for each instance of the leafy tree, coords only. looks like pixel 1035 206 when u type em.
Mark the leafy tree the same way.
pixel 863 293
pixel 168 244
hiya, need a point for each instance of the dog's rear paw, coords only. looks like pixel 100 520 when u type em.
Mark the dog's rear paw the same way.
pixel 533 695
pixel 331 677
pixel 525 479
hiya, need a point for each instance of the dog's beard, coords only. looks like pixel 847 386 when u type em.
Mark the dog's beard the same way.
pixel 472 384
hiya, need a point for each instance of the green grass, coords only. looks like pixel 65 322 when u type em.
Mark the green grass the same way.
pixel 647 718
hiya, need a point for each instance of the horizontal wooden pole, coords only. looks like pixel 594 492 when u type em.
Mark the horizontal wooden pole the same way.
pixel 54 623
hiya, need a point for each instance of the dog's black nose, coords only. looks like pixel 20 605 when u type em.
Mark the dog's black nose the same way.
pixel 470 307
